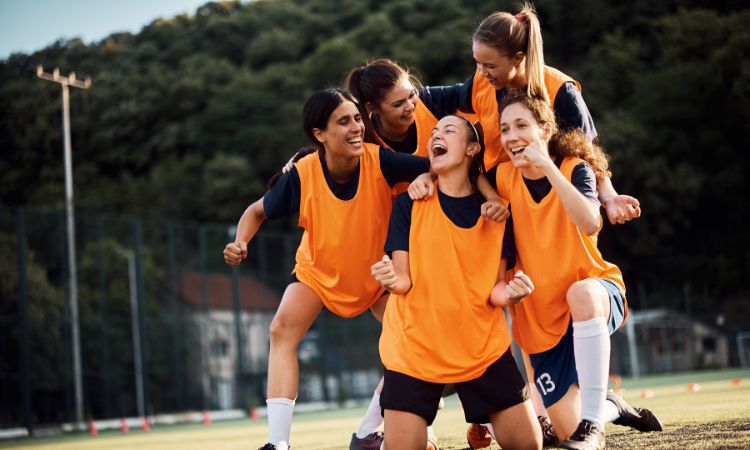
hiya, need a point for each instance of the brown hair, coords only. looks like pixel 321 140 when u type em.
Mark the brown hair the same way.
pixel 371 82
pixel 572 142
pixel 510 34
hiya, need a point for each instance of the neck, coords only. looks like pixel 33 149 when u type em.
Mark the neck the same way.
pixel 341 168
pixel 455 183
pixel 389 132
pixel 520 81
pixel 532 173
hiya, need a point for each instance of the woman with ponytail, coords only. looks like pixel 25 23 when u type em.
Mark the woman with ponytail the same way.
pixel 508 50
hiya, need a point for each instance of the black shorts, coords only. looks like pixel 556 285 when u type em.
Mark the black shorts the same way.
pixel 498 388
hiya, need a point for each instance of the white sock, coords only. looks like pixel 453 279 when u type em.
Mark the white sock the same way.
pixel 536 400
pixel 280 411
pixel 372 419
pixel 610 412
pixel 591 347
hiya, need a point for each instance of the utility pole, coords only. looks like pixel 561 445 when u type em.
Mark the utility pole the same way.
pixel 70 80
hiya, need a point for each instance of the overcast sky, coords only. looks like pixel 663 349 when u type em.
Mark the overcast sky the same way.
pixel 30 25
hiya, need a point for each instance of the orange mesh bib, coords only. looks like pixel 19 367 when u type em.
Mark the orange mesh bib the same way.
pixel 444 330
pixel 554 253
pixel 342 238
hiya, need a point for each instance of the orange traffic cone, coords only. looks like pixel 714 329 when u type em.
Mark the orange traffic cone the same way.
pixel 648 393
pixel 145 426
pixel 92 427
pixel 254 413
pixel 694 387
pixel 124 426
pixel 736 381
pixel 206 418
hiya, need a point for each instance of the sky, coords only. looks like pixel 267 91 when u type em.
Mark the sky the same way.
pixel 30 25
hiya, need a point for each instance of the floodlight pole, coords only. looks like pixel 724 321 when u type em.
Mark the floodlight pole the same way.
pixel 70 80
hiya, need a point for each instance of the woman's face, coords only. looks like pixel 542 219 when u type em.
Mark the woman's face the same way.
pixel 519 128
pixel 449 145
pixel 344 131
pixel 396 111
pixel 498 69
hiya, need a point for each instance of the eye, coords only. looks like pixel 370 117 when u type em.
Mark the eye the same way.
pixel 504 130
pixel 413 94
pixel 358 118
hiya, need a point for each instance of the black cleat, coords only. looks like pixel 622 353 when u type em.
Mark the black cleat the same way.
pixel 372 441
pixel 270 446
pixel 549 436
pixel 640 419
pixel 588 436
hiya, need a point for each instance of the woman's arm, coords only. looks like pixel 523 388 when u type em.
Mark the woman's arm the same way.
pixel 583 212
pixel 235 252
pixel 393 275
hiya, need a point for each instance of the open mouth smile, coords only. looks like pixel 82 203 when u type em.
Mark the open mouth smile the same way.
pixel 439 150
pixel 517 150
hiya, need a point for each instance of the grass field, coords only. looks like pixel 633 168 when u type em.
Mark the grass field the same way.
pixel 715 417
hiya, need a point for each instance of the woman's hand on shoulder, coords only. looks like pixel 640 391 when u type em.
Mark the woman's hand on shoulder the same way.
pixel 422 187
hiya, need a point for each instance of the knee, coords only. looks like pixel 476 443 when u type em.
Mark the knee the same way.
pixel 280 330
pixel 583 300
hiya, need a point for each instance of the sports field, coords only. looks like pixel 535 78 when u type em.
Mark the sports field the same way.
pixel 716 416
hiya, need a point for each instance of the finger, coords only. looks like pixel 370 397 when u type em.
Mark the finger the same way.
pixel 385 258
pixel 637 211
pixel 430 189
pixel 504 215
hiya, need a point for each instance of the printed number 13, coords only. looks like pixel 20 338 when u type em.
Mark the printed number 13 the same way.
pixel 545 383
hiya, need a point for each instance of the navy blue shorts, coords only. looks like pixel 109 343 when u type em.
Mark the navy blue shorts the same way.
pixel 497 389
pixel 555 369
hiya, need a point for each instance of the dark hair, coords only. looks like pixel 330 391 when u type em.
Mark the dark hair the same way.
pixel 370 83
pixel 563 143
pixel 476 134
pixel 315 114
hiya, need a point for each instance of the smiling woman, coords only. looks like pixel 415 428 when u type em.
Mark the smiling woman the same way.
pixel 342 191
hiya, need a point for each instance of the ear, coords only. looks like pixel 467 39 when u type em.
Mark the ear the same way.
pixel 518 58
pixel 546 132
pixel 473 148
pixel 318 133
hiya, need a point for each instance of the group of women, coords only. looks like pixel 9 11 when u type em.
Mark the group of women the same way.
pixel 502 215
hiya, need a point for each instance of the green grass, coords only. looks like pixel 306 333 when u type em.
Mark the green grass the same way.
pixel 716 416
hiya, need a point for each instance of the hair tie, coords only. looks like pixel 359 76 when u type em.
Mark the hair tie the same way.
pixel 521 17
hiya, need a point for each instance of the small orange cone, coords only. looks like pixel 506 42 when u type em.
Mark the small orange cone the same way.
pixel 206 418
pixel 92 427
pixel 648 393
pixel 254 413
pixel 737 381
pixel 145 426
pixel 694 387
pixel 124 426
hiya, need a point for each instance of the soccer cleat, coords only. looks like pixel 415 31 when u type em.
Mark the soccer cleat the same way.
pixel 588 436
pixel 640 419
pixel 549 436
pixel 478 436
pixel 372 441
pixel 281 446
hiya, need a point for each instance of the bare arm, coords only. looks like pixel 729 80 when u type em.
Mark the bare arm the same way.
pixel 235 252
pixel 393 274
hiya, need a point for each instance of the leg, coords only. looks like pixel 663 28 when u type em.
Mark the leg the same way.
pixel 517 427
pixel 404 431
pixel 589 304
pixel 299 307
pixel 566 412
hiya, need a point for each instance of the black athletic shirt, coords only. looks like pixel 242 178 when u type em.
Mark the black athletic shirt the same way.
pixel 283 199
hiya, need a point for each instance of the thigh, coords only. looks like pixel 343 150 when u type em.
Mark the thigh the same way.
pixel 299 307
pixel 517 427
pixel 616 304
pixel 587 299
pixel 404 430
pixel 554 370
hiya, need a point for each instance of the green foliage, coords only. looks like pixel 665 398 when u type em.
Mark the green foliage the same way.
pixel 188 118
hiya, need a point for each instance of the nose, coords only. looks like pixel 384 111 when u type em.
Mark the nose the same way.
pixel 411 105
pixel 482 70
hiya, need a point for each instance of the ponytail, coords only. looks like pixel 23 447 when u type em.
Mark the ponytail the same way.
pixel 510 34
pixel 353 84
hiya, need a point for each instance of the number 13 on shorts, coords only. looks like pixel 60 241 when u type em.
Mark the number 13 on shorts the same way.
pixel 545 383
